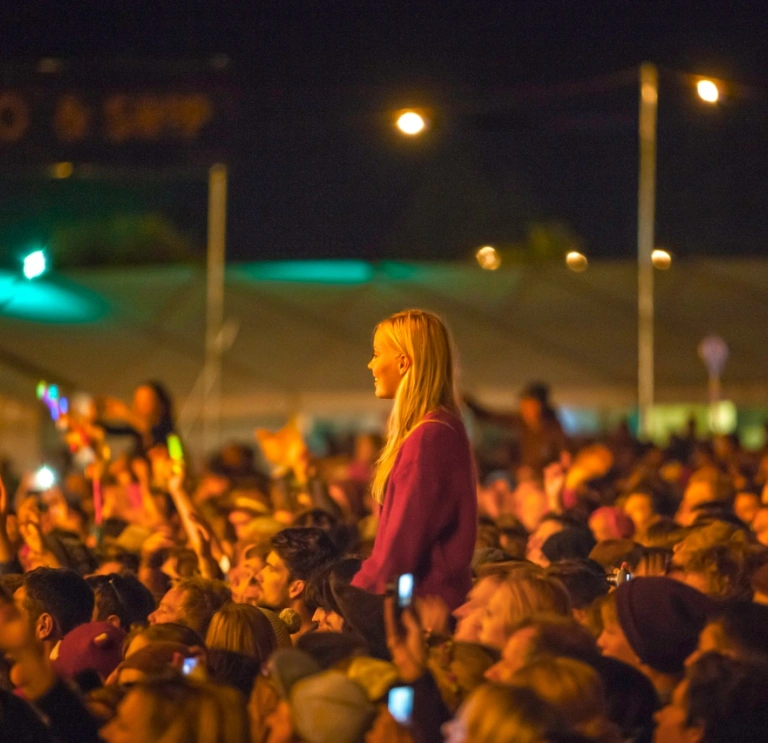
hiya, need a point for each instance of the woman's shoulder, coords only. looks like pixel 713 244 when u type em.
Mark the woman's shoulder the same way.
pixel 439 425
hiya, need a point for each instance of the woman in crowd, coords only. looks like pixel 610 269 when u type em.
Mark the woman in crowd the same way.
pixel 425 477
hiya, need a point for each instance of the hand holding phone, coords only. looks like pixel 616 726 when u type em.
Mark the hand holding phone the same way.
pixel 400 704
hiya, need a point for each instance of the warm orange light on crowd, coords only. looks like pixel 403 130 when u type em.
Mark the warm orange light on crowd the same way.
pixel 708 91
pixel 488 258
pixel 411 123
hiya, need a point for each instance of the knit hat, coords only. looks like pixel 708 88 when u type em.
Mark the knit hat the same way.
pixel 289 665
pixel 661 619
pixel 95 646
pixel 281 629
pixel 330 708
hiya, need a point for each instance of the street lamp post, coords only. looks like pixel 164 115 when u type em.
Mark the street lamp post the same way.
pixel 646 207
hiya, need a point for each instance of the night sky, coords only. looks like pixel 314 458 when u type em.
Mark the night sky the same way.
pixel 535 121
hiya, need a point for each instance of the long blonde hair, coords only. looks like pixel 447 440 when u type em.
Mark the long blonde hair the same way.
pixel 428 384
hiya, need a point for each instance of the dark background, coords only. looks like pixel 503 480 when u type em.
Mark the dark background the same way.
pixel 534 108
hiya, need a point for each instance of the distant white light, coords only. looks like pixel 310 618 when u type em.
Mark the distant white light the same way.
pixel 45 478
pixel 35 264
pixel 661 259
pixel 488 258
pixel 411 123
pixel 576 261
pixel 708 91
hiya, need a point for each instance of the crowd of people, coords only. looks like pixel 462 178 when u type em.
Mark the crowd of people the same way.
pixel 618 592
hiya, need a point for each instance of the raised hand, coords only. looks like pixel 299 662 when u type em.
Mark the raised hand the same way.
pixel 408 650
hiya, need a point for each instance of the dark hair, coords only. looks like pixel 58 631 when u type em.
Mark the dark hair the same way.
pixel 318 593
pixel 326 521
pixel 60 592
pixel 233 669
pixel 572 543
pixel 122 595
pixel 744 625
pixel 165 420
pixel 726 698
pixel 304 550
pixel 167 632
pixel 584 580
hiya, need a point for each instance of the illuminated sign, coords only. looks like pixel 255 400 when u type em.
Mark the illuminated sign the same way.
pixel 159 125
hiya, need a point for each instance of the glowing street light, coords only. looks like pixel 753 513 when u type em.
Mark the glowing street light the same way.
pixel 661 259
pixel 708 91
pixel 411 123
pixel 488 258
pixel 35 264
pixel 576 261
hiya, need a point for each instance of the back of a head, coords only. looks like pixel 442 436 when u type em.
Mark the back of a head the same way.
pixel 242 628
pixel 168 632
pixel 585 580
pixel 62 593
pixel 573 687
pixel 506 714
pixel 123 596
pixel 304 550
pixel 202 599
pixel 188 712
pixel 726 699
pixel 744 626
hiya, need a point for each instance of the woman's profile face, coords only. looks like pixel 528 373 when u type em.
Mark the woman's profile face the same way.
pixel 388 366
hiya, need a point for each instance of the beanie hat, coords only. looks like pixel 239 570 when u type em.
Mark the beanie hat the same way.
pixel 95 646
pixel 281 629
pixel 289 665
pixel 330 708
pixel 661 619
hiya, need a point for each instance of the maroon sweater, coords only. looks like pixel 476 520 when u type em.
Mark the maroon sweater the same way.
pixel 428 523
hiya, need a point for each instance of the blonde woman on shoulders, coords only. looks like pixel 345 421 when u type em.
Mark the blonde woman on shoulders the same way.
pixel 425 477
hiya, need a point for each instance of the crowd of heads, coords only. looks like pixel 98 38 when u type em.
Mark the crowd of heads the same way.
pixel 620 593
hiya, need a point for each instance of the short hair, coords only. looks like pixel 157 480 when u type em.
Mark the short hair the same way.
pixel 743 623
pixel 124 596
pixel 243 629
pixel 166 632
pixel 202 598
pixel 573 687
pixel 304 550
pixel 726 698
pixel 509 714
pixel 60 592
pixel 318 593
pixel 724 568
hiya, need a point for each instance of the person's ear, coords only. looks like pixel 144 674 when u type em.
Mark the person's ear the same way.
pixel 296 588
pixel 114 620
pixel 403 364
pixel 45 626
